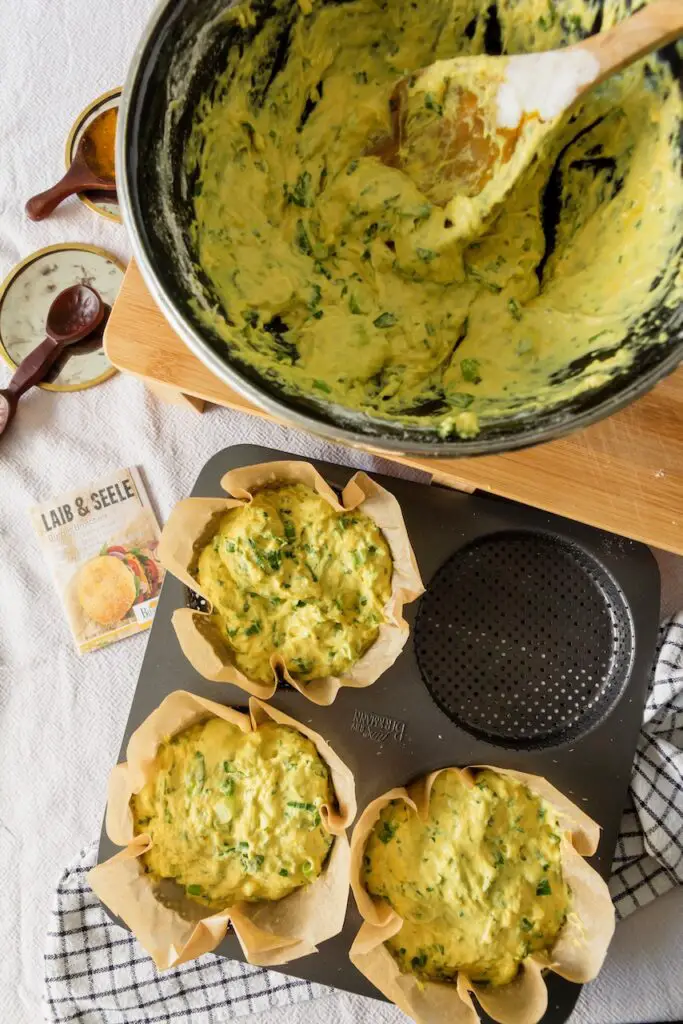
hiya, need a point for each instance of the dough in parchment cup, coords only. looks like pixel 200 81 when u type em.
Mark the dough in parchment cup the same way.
pixel 194 522
pixel 174 928
pixel 576 954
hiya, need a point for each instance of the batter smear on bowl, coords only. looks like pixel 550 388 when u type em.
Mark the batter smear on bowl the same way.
pixel 346 280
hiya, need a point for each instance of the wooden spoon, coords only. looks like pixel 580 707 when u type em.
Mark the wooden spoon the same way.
pixel 74 314
pixel 84 175
pixel 466 129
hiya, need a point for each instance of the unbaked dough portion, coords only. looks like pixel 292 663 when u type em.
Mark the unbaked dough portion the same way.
pixel 289 575
pixel 479 885
pixel 235 816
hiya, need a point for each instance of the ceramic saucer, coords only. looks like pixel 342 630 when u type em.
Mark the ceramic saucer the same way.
pixel 27 294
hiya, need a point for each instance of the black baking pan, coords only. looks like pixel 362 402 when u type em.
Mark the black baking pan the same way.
pixel 530 649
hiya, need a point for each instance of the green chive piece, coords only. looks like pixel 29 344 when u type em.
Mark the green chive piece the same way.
pixel 385 320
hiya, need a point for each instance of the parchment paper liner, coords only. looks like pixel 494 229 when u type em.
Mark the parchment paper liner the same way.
pixel 179 929
pixel 194 521
pixel 577 955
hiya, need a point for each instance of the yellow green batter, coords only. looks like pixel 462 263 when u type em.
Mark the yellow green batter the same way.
pixel 479 884
pixel 340 279
pixel 289 575
pixel 235 816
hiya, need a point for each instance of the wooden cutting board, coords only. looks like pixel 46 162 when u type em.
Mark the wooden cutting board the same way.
pixel 624 474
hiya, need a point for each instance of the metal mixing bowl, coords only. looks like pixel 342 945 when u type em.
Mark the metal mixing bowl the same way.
pixel 177 61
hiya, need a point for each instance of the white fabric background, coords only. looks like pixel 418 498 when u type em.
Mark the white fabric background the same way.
pixel 61 717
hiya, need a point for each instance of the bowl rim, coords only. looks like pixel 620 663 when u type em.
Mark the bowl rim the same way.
pixel 565 423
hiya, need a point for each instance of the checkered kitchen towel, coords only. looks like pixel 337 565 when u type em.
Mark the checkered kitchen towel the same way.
pixel 96 972
pixel 648 859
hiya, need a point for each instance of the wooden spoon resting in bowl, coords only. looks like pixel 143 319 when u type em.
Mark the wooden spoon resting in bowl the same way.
pixel 465 129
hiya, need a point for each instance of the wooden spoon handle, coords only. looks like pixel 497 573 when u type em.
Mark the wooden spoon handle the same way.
pixel 34 367
pixel 77 179
pixel 652 27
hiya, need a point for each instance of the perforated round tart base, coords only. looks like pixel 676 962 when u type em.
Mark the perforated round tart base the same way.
pixel 523 640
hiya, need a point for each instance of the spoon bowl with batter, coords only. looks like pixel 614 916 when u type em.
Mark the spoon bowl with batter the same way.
pixel 466 129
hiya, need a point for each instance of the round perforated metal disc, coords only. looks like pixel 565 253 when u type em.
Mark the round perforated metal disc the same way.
pixel 524 640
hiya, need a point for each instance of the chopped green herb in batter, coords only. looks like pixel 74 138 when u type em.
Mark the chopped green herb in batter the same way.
pixel 291 575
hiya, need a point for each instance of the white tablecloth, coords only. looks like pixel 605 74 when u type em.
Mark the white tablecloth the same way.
pixel 61 717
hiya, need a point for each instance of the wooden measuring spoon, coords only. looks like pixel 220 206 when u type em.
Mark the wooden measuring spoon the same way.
pixel 466 129
pixel 86 174
pixel 74 314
